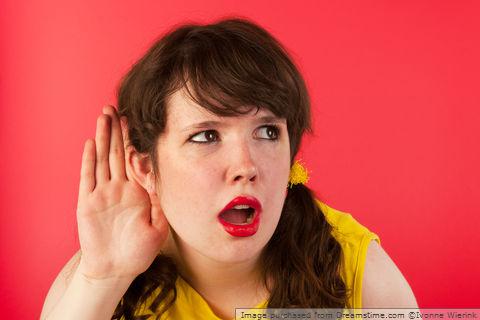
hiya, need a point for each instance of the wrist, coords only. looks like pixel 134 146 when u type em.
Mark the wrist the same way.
pixel 108 283
pixel 89 298
pixel 103 280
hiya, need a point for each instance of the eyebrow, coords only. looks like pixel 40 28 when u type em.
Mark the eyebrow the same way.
pixel 212 123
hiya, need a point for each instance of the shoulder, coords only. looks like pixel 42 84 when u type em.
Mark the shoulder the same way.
pixel 384 286
pixel 354 239
pixel 352 236
pixel 370 275
pixel 343 223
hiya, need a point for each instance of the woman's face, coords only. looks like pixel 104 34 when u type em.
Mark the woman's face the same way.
pixel 203 167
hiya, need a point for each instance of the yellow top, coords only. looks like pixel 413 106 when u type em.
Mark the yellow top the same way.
pixel 353 238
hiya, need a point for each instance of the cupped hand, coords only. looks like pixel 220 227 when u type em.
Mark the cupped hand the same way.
pixel 121 225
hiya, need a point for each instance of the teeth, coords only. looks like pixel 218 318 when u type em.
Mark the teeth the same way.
pixel 241 206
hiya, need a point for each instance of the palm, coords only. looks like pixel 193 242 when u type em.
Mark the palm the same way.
pixel 121 226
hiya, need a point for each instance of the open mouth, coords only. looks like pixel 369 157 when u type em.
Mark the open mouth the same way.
pixel 239 215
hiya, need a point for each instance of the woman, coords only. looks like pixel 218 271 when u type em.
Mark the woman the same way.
pixel 191 210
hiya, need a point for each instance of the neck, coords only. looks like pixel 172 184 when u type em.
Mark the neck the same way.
pixel 219 282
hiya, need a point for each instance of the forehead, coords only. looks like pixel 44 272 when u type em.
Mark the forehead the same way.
pixel 182 111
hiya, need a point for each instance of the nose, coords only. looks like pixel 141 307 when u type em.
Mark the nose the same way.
pixel 243 168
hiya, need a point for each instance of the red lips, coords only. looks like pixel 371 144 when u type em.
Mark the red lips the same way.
pixel 242 230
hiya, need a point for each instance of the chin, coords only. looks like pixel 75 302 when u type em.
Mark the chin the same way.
pixel 239 250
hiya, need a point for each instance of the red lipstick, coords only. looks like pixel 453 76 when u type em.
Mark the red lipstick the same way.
pixel 248 228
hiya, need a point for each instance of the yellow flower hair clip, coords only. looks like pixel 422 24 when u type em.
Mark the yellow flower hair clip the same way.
pixel 298 174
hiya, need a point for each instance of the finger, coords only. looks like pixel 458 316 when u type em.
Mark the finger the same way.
pixel 126 146
pixel 116 158
pixel 102 143
pixel 87 172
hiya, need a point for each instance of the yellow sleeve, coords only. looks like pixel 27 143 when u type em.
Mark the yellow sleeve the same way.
pixel 354 239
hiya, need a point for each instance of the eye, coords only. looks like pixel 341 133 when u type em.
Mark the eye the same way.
pixel 208 136
pixel 269 132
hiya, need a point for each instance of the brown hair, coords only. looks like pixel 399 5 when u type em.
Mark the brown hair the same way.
pixel 224 67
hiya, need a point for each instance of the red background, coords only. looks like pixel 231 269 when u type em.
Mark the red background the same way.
pixel 395 92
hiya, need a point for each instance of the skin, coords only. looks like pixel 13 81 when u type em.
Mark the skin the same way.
pixel 197 180
pixel 383 284
pixel 110 199
pixel 120 225
pixel 126 215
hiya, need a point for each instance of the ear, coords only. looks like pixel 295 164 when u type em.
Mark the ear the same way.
pixel 140 168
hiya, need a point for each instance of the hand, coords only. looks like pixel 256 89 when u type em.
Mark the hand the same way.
pixel 121 225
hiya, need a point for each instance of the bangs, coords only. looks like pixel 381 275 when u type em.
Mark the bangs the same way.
pixel 228 68
pixel 230 75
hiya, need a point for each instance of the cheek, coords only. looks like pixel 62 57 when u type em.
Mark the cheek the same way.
pixel 275 166
pixel 185 184
pixel 181 170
